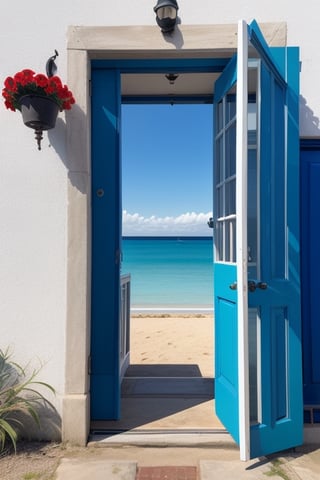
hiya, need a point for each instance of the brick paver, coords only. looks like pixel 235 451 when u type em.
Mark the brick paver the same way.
pixel 166 473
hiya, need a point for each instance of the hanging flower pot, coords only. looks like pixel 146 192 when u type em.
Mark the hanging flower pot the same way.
pixel 39 113
pixel 38 97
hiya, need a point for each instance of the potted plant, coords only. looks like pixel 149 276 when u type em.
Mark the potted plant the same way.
pixel 38 97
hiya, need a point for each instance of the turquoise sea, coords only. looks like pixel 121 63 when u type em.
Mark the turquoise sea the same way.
pixel 169 273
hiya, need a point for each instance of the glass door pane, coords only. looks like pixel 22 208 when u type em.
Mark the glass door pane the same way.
pixel 225 179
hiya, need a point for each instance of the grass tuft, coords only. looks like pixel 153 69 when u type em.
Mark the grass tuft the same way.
pixel 18 395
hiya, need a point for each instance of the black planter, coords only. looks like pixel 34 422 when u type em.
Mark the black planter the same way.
pixel 39 113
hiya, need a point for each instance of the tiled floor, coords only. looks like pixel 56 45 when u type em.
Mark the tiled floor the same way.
pixel 167 473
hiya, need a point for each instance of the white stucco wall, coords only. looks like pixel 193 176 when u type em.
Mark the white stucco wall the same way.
pixel 33 184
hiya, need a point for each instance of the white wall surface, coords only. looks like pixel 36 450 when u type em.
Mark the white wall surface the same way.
pixel 33 184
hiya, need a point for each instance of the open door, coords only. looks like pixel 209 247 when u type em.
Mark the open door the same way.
pixel 106 238
pixel 258 385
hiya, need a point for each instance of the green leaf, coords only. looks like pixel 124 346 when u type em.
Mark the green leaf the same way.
pixel 7 430
pixel 18 394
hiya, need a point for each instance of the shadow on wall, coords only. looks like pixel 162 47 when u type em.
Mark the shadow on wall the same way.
pixel 77 173
pixel 57 138
pixel 48 430
pixel 175 37
pixel 308 119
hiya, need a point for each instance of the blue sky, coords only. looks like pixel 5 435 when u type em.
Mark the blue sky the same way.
pixel 166 169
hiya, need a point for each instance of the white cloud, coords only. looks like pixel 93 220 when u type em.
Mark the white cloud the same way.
pixel 187 224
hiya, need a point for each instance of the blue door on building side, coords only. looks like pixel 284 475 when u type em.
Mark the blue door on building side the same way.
pixel 310 265
pixel 258 382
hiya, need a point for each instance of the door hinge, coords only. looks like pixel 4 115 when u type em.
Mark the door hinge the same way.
pixel 89 365
pixel 118 256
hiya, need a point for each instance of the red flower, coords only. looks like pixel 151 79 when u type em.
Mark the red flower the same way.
pixel 64 92
pixel 5 93
pixel 10 84
pixel 26 82
pixel 28 74
pixel 24 77
pixel 55 81
pixel 41 80
pixel 9 105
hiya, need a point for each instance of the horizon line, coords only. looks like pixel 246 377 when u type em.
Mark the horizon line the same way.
pixel 167 236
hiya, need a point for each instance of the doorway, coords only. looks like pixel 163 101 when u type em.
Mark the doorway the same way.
pixel 171 348
pixel 106 132
pixel 231 270
pixel 167 176
pixel 206 47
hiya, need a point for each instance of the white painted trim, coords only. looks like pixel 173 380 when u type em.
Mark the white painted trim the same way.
pixel 242 254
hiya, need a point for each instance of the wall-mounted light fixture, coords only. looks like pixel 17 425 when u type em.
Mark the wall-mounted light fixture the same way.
pixel 171 77
pixel 166 14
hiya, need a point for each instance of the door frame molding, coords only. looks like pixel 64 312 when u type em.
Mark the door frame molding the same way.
pixel 110 43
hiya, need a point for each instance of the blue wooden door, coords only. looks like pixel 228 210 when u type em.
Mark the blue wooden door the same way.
pixel 106 235
pixel 256 274
pixel 310 262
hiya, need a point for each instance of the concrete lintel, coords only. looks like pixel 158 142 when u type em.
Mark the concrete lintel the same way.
pixel 148 40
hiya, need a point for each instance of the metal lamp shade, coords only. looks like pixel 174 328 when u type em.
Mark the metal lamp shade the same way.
pixel 166 14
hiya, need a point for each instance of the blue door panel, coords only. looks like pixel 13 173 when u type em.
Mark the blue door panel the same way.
pixel 106 228
pixel 282 413
pixel 315 260
pixel 268 440
pixel 279 356
pixel 226 348
pixel 103 392
pixel 225 275
pixel 310 264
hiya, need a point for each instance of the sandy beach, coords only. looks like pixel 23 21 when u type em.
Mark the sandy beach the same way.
pixel 163 338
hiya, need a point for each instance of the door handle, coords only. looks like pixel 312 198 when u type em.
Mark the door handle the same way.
pixel 210 223
pixel 252 285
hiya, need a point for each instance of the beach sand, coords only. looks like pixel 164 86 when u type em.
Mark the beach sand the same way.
pixel 165 350
pixel 173 339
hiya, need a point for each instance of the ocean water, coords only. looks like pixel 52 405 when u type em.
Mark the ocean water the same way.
pixel 169 273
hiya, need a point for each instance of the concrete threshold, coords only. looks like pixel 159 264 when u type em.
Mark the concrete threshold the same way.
pixel 163 438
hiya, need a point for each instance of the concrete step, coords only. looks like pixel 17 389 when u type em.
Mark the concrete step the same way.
pixel 164 438
pixel 168 386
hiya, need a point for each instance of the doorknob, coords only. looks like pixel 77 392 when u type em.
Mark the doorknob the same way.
pixel 252 285
pixel 210 222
